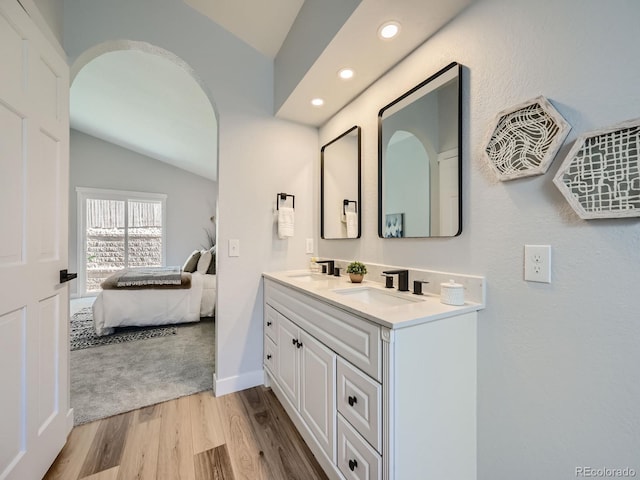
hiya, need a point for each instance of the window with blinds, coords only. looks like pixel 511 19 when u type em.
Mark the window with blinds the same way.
pixel 119 230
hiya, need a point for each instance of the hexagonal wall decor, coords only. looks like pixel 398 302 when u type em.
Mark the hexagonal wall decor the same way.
pixel 600 177
pixel 524 139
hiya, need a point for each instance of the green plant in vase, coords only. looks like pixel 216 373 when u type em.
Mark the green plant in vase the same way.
pixel 356 271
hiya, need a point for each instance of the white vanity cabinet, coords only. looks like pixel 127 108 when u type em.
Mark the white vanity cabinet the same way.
pixel 306 372
pixel 270 358
pixel 374 401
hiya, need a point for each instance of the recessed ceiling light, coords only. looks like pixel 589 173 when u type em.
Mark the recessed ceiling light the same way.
pixel 389 30
pixel 317 102
pixel 346 73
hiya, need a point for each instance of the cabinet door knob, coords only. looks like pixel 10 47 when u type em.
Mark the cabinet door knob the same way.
pixel 269 357
pixel 352 400
pixel 299 345
pixel 268 324
pixel 353 464
pixel 294 341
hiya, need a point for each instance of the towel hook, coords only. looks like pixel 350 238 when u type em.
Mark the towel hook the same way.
pixel 283 197
pixel 346 202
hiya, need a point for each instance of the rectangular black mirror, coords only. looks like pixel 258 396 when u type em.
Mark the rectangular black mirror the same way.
pixel 420 159
pixel 340 209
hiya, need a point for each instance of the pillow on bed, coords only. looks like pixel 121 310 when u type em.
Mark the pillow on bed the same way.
pixel 212 266
pixel 192 262
pixel 204 261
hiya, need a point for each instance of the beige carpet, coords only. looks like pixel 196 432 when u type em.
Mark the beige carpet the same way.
pixel 112 379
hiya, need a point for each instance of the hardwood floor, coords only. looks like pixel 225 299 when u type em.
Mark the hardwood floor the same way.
pixel 245 435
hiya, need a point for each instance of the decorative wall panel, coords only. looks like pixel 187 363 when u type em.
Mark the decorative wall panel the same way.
pixel 524 139
pixel 600 177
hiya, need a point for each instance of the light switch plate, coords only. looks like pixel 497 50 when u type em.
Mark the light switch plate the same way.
pixel 537 263
pixel 234 247
pixel 309 248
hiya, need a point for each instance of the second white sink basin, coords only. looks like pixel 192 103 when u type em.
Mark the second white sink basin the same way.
pixel 308 277
pixel 377 297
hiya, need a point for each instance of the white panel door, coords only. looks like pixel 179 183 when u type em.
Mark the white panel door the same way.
pixel 317 391
pixel 287 359
pixel 34 160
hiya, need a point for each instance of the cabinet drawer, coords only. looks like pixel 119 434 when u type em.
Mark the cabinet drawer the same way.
pixel 271 323
pixel 356 459
pixel 360 402
pixel 350 336
pixel 270 360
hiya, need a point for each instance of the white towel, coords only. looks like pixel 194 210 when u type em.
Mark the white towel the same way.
pixel 286 222
pixel 352 224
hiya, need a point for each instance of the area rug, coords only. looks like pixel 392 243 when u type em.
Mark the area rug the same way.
pixel 83 334
pixel 111 379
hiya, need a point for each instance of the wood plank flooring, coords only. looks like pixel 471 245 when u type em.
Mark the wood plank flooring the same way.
pixel 244 435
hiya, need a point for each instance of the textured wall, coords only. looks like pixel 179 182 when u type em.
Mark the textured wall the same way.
pixel 558 382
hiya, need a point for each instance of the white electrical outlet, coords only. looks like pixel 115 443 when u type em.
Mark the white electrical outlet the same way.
pixel 537 263
pixel 309 245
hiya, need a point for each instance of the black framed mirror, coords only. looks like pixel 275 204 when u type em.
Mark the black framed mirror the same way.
pixel 420 159
pixel 340 187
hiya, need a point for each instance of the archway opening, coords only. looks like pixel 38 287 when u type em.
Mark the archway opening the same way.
pixel 143 123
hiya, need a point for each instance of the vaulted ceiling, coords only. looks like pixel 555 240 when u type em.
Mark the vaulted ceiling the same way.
pixel 310 41
pixel 147 104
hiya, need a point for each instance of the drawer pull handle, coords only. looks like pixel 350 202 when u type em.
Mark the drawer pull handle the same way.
pixel 352 400
pixel 269 324
pixel 269 357
pixel 353 464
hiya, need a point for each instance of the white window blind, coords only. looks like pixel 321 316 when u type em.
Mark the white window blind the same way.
pixel 118 230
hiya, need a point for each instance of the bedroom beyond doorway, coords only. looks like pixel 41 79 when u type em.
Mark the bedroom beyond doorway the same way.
pixel 111 379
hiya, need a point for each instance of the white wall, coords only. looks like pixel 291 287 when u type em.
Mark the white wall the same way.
pixel 258 157
pixel 191 199
pixel 558 376
pixel 406 187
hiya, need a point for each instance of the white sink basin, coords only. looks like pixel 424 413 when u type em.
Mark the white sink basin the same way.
pixel 377 297
pixel 307 277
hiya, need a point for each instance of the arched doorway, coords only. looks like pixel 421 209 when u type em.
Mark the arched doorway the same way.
pixel 140 99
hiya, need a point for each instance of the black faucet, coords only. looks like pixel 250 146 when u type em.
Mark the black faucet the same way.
pixel 330 264
pixel 417 286
pixel 403 279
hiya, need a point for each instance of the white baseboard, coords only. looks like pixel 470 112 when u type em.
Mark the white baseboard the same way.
pixel 223 386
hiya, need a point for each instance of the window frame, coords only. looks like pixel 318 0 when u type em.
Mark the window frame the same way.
pixel 85 193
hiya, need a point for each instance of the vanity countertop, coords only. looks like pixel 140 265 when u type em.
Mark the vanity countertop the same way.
pixel 412 310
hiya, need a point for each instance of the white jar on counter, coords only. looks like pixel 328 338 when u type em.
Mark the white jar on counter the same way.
pixel 452 293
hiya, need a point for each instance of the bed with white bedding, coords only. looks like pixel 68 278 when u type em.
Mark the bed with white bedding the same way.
pixel 153 305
